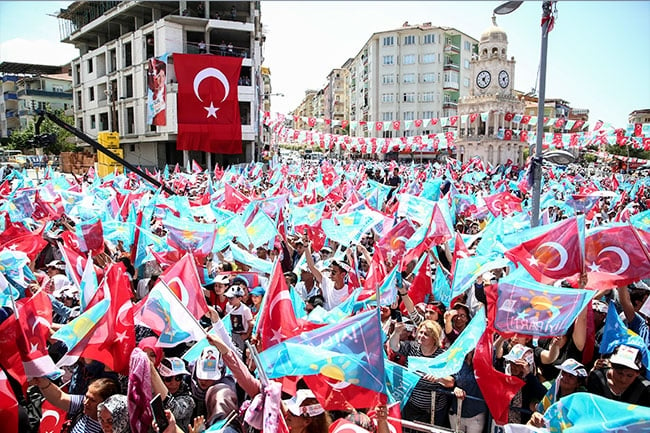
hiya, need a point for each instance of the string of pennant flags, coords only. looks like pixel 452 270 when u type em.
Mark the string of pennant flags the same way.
pixel 635 135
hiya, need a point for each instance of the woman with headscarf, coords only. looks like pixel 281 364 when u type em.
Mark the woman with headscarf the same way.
pixel 113 415
pixel 520 362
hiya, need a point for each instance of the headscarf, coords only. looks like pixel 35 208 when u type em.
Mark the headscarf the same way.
pixel 150 343
pixel 139 393
pixel 116 404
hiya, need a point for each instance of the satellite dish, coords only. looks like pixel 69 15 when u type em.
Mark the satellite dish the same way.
pixel 560 157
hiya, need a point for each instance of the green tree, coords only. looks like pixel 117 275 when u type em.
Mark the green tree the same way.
pixel 23 139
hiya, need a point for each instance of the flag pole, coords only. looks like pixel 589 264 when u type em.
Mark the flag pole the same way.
pixel 264 379
pixel 205 333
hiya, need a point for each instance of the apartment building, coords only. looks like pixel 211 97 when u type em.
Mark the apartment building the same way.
pixel 412 72
pixel 116 40
pixel 29 87
pixel 639 116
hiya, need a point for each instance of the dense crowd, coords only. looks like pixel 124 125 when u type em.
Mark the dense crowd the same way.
pixel 221 386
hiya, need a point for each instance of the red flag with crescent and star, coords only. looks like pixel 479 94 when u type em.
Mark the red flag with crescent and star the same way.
pixel 208 103
pixel 553 255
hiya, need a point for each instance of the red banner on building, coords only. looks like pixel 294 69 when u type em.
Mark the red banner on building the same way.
pixel 208 103
pixel 157 91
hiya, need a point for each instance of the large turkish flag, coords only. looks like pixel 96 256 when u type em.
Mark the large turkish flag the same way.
pixel 208 103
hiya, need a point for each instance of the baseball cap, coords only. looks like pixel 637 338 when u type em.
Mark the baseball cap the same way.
pixel 222 279
pixel 208 367
pixel 294 404
pixel 599 306
pixel 573 367
pixel 172 367
pixel 239 280
pixel 627 356
pixel 234 291
pixel 258 291
pixel 520 352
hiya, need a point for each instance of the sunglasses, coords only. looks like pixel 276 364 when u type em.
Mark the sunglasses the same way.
pixel 178 378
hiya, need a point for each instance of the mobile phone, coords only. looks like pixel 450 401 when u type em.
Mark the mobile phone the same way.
pixel 159 413
pixel 398 280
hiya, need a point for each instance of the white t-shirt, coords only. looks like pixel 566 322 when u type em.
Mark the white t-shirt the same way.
pixel 240 317
pixel 333 297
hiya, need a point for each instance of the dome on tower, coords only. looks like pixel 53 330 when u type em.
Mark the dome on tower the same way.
pixel 494 34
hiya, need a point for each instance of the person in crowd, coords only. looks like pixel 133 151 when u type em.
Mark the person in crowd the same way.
pixel 208 372
pixel 241 318
pixel 113 415
pixel 168 380
pixel 306 287
pixel 257 295
pixel 456 319
pixel 473 414
pixel 428 344
pixel 334 287
pixel 620 378
pixel 520 362
pixel 81 409
pixel 570 379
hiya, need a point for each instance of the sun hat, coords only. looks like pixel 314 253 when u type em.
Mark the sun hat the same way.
pixel 57 264
pixel 294 404
pixel 573 367
pixel 208 367
pixel 176 366
pixel 520 352
pixel 627 356
pixel 599 306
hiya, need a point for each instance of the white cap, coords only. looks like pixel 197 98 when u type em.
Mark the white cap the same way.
pixel 294 404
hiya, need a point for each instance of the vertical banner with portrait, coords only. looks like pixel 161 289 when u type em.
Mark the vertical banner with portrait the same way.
pixel 157 91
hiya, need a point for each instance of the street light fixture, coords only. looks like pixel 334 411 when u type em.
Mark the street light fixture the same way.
pixel 536 162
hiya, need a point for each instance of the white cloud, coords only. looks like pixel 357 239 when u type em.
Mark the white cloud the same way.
pixel 42 52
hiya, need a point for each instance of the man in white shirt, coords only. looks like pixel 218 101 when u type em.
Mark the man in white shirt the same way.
pixel 334 287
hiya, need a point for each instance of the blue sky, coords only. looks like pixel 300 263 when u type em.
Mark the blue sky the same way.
pixel 597 54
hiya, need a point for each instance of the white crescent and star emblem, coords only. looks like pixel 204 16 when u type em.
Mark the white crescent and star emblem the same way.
pixel 54 414
pixel 625 259
pixel 211 73
pixel 564 256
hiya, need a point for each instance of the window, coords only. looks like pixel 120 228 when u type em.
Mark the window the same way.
pixel 409 115
pixel 130 121
pixel 128 81
pixel 451 76
pixel 389 40
pixel 409 40
pixel 427 97
pixel 91 93
pixel 466 82
pixel 468 45
pixel 409 97
pixel 429 58
pixel 428 115
pixel 409 78
pixel 388 79
pixel 128 60
pixel 428 77
pixel 80 123
pixel 409 59
pixel 103 122
pixel 387 116
pixel 77 74
pixel 430 38
pixel 79 99
pixel 89 65
pixel 387 97
pixel 466 64
pixel 389 60
pixel 93 121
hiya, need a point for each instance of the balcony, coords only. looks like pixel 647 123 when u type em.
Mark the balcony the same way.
pixel 451 67
pixel 450 104
pixel 451 48
pixel 450 85
pixel 44 93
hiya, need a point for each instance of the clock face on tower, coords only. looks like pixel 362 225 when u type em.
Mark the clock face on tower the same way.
pixel 483 79
pixel 504 79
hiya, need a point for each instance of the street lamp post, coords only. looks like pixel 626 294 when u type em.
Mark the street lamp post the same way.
pixel 536 162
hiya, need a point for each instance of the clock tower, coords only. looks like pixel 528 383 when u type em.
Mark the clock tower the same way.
pixel 492 71
pixel 491 92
